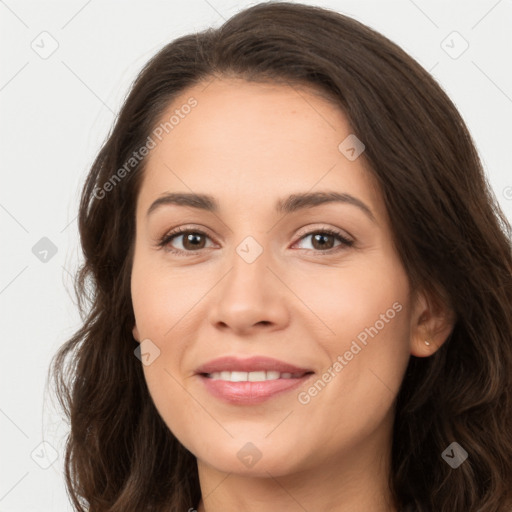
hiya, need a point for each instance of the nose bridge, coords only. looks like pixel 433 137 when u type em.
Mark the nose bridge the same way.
pixel 249 274
pixel 251 242
pixel 249 293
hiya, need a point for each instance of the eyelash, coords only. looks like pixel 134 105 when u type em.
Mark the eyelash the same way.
pixel 168 237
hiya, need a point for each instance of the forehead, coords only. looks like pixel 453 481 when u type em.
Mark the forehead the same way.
pixel 253 140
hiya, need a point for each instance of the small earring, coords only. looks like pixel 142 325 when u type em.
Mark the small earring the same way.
pixel 427 342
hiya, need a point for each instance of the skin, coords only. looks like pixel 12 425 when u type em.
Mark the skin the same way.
pixel 248 145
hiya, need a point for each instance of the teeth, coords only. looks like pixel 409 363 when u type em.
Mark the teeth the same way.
pixel 258 376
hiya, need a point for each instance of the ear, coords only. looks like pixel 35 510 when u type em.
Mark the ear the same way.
pixel 432 321
pixel 135 333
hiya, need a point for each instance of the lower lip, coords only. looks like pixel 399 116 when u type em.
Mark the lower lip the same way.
pixel 250 392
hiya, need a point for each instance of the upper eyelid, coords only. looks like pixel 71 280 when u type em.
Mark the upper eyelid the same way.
pixel 310 230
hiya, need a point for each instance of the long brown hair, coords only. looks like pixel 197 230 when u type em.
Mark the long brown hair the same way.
pixel 452 237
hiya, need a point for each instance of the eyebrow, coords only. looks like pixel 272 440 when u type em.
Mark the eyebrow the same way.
pixel 291 204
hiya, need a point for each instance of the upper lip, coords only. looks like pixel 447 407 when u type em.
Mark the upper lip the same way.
pixel 251 364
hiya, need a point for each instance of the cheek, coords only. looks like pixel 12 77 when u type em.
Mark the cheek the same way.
pixel 345 302
pixel 175 405
pixel 361 322
pixel 161 297
pixel 161 300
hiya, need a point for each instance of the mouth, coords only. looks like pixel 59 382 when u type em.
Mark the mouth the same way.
pixel 250 381
pixel 259 376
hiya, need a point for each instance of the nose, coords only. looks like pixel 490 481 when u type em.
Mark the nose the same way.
pixel 250 297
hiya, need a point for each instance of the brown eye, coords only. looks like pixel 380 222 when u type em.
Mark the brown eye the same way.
pixel 192 240
pixel 324 240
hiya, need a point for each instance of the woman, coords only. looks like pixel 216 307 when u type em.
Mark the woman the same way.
pixel 301 285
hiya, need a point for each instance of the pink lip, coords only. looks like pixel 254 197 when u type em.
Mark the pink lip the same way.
pixel 250 393
pixel 251 364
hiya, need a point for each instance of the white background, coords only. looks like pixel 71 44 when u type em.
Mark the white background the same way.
pixel 56 112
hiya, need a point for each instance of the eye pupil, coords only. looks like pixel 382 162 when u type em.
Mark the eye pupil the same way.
pixel 192 238
pixel 319 236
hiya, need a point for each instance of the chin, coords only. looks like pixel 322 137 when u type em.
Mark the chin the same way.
pixel 252 459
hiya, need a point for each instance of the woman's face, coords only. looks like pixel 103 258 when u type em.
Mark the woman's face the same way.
pixel 261 278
